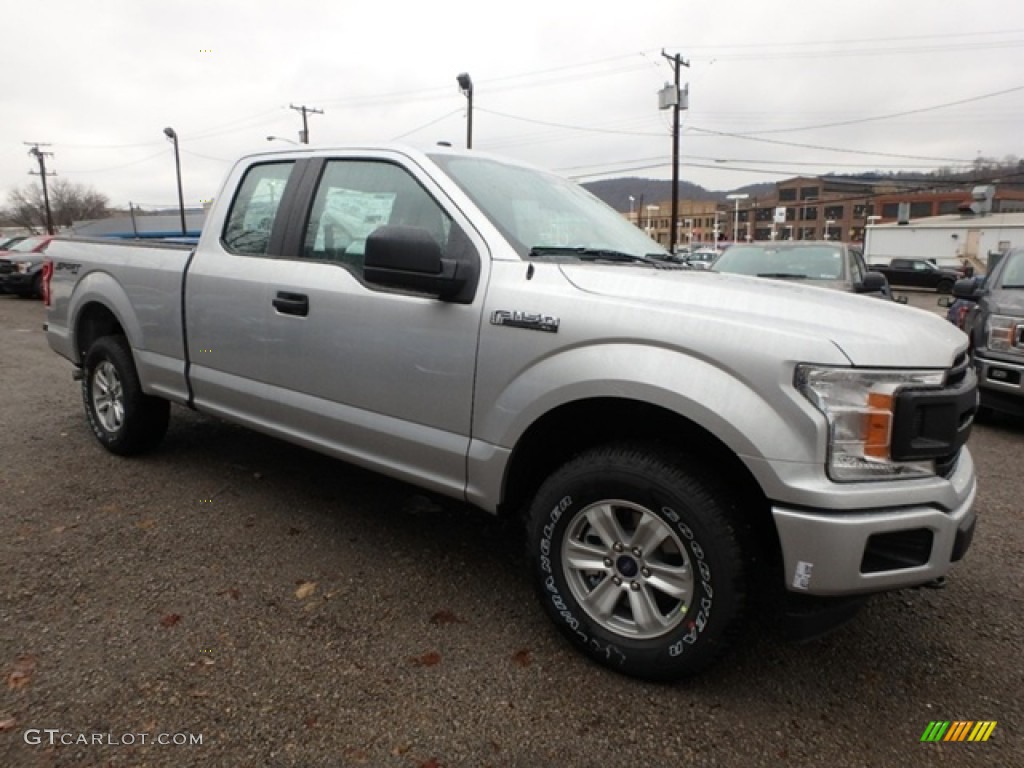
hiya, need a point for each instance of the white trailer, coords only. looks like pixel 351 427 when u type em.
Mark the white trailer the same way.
pixel 947 240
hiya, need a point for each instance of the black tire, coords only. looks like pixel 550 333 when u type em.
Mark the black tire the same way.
pixel 655 496
pixel 945 287
pixel 124 419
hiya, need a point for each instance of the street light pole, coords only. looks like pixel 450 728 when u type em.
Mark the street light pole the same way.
pixel 466 86
pixel 736 214
pixel 828 223
pixel 170 134
pixel 631 201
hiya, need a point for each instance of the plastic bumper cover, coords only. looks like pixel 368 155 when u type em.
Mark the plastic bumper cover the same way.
pixel 847 553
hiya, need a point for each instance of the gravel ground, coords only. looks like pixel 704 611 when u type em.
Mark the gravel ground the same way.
pixel 295 611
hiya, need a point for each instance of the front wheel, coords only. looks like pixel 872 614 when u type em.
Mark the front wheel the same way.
pixel 124 419
pixel 945 287
pixel 637 560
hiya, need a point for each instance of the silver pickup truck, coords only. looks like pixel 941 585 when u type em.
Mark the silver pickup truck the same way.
pixel 681 446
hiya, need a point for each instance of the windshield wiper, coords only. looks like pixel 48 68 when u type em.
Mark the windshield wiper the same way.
pixel 600 254
pixel 782 275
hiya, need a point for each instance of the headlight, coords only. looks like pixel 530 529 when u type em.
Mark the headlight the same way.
pixel 858 405
pixel 23 266
pixel 1002 332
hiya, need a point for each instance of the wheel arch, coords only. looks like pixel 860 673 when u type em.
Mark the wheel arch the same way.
pixel 94 321
pixel 573 427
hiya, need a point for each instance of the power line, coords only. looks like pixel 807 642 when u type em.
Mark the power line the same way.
pixel 121 165
pixel 824 148
pixel 890 116
pixel 850 41
pixel 550 124
pixel 427 125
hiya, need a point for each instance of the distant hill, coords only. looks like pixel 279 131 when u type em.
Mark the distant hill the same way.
pixel 616 192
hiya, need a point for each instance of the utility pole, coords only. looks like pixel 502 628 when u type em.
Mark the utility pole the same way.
pixel 41 157
pixel 671 97
pixel 304 133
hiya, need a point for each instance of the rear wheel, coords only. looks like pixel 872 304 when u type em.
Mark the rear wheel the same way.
pixel 124 419
pixel 946 286
pixel 637 561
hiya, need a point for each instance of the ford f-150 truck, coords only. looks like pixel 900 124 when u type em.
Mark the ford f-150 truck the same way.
pixel 675 441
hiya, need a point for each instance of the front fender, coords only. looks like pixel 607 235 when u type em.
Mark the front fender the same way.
pixel 766 419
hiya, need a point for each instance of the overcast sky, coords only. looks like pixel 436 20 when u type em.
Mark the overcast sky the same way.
pixel 569 85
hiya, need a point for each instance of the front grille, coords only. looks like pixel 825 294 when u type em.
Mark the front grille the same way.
pixel 6 266
pixel 958 371
pixel 934 424
pixel 945 465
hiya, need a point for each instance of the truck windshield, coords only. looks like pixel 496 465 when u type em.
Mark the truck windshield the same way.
pixel 1013 274
pixel 813 262
pixel 545 216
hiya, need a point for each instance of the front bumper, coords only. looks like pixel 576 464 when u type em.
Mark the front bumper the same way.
pixel 17 282
pixel 1001 384
pixel 860 552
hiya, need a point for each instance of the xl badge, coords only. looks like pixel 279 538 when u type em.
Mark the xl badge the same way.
pixel 532 321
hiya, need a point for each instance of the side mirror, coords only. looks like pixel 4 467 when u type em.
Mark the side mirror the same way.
pixel 874 282
pixel 409 258
pixel 966 289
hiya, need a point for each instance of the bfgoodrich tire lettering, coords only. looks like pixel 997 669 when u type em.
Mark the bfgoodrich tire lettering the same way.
pixel 636 560
pixel 124 419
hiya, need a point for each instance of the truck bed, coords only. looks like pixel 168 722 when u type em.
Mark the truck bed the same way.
pixel 142 285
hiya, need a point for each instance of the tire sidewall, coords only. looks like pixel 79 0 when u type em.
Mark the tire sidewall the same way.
pixel 712 608
pixel 108 350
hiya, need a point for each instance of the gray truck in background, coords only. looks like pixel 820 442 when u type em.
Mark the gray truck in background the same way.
pixel 682 446
pixel 995 324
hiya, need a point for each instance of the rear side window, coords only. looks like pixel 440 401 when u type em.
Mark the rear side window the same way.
pixel 252 214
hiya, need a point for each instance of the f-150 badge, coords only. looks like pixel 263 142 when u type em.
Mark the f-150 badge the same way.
pixel 532 321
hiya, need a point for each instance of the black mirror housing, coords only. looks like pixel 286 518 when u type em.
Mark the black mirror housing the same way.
pixel 409 258
pixel 966 289
pixel 874 282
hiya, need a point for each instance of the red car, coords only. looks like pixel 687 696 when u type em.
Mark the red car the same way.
pixel 21 267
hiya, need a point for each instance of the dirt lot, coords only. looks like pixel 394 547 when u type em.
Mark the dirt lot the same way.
pixel 295 611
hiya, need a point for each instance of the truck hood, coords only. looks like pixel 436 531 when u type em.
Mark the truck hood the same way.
pixel 1008 301
pixel 868 331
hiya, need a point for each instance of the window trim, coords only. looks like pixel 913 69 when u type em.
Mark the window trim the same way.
pixel 294 236
pixel 277 227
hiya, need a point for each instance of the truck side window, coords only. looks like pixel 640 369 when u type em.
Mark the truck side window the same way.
pixel 354 198
pixel 252 214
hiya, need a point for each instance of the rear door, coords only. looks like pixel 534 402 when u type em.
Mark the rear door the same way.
pixel 227 301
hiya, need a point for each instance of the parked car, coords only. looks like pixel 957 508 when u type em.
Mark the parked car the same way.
pixel 824 263
pixel 21 267
pixel 995 325
pixel 702 258
pixel 919 273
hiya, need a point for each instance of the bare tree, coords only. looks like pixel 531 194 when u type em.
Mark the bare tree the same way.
pixel 69 202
